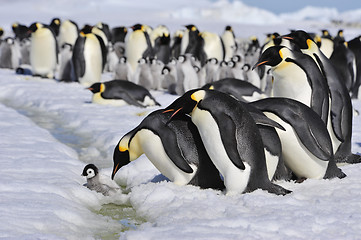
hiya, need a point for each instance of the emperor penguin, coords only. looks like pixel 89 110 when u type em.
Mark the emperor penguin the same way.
pixel 10 55
pixel 118 34
pixel 121 92
pixel 326 43
pixel 229 42
pixel 231 138
pixel 174 148
pixel 20 31
pixel 193 44
pixel 104 27
pixel 156 67
pixel 138 45
pixel 55 25
pixel 43 63
pixel 98 182
pixel 237 88
pixel 340 120
pixel 297 76
pixel 143 75
pixel 169 73
pixel 344 61
pixel 306 144
pixel 213 45
pixel 160 38
pixel 66 69
pixel 177 43
pixel 211 68
pixel 87 57
pixel 355 46
pixel 251 76
pixel 123 70
pixel 187 77
pixel 68 32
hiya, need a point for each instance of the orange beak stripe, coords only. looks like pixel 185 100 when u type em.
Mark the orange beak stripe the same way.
pixel 116 169
pixel 169 110
pixel 176 112
pixel 286 37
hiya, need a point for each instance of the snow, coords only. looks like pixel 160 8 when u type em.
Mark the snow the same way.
pixel 50 131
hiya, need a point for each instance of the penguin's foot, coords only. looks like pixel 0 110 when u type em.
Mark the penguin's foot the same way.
pixel 300 180
pixel 278 190
pixel 351 159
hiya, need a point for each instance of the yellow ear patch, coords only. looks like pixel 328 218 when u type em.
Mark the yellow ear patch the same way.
pixel 211 87
pixel 102 87
pixel 309 43
pixel 280 53
pixel 198 95
pixel 122 149
pixel 193 28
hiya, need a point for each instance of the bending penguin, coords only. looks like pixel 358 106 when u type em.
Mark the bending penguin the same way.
pixel 306 144
pixel 121 92
pixel 340 119
pixel 174 148
pixel 231 138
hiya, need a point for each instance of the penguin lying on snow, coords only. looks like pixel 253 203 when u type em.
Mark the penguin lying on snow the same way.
pixel 231 138
pixel 306 144
pixel 121 92
pixel 97 182
pixel 175 149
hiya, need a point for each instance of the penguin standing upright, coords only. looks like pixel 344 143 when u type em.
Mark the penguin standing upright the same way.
pixel 193 44
pixel 66 69
pixel 230 45
pixel 9 53
pixel 160 38
pixel 213 45
pixel 187 78
pixel 340 120
pixel 174 148
pixel 68 32
pixel 231 138
pixel 88 58
pixel 43 63
pixel 211 68
pixel 123 70
pixel 355 46
pixel 20 31
pixel 297 76
pixel 138 45
pixel 143 75
pixel 306 144
pixel 177 43
pixel 326 43
pixel 55 25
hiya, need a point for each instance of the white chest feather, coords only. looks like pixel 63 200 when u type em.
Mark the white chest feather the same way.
pixel 43 62
pixel 97 98
pixel 135 47
pixel 291 81
pixel 235 180
pixel 93 61
pixel 154 150
pixel 296 156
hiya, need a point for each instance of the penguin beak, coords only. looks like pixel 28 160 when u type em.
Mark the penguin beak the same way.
pixel 259 64
pixel 287 37
pixel 115 170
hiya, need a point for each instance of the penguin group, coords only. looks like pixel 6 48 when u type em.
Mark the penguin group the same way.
pixel 248 113
pixel 219 135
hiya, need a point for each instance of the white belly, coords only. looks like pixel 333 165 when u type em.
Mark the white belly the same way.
pixel 154 150
pixel 93 62
pixel 135 47
pixel 43 53
pixel 113 102
pixel 291 82
pixel 271 162
pixel 235 179
pixel 302 162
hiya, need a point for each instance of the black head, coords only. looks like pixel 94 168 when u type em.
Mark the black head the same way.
pixel 95 87
pixel 90 170
pixel 35 26
pixel 299 38
pixel 86 29
pixel 165 70
pixel 191 27
pixel 271 57
pixel 228 28
pixel 121 158
pixel 182 105
pixel 137 26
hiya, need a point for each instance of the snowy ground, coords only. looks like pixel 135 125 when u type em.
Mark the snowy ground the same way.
pixel 50 131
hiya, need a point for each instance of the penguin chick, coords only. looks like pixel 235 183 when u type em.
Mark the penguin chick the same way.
pixel 98 183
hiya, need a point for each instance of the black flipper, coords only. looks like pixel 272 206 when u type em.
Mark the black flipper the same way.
pixel 228 132
pixel 78 57
pixel 168 138
pixel 308 126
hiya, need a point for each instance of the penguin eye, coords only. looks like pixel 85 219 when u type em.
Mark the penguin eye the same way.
pixel 90 171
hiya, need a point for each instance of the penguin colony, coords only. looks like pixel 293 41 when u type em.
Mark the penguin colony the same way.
pixel 249 113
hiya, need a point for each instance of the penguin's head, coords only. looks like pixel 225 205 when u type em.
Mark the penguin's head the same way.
pixel 271 56
pixel 97 87
pixel 301 38
pixel 191 28
pixel 228 28
pixel 122 154
pixel 86 30
pixel 137 26
pixel 165 70
pixel 186 103
pixel 90 171
pixel 35 26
